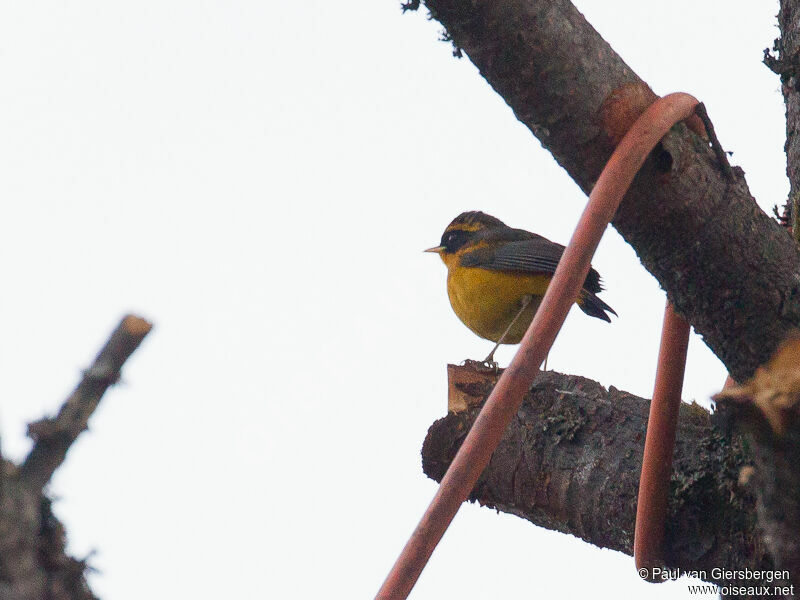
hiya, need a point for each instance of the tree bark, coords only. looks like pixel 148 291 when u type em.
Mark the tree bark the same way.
pixel 787 66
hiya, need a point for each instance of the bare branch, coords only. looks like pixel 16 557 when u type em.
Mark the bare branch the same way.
pixel 54 436
pixel 570 462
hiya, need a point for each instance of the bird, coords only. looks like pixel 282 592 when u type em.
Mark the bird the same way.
pixel 498 275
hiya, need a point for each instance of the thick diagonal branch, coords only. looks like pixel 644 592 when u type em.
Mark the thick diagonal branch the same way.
pixel 570 462
pixel 53 436
pixel 727 267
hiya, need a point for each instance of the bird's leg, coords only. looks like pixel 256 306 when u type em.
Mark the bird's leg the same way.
pixel 489 360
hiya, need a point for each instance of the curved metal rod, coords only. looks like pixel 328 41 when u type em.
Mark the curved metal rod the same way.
pixel 507 395
pixel 659 443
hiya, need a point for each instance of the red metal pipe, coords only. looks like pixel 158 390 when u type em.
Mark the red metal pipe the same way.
pixel 651 509
pixel 507 395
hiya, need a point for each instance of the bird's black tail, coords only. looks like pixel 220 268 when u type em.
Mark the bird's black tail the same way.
pixel 594 307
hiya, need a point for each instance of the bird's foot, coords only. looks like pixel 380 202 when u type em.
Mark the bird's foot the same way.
pixel 482 366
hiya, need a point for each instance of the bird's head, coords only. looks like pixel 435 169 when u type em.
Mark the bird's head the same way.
pixel 466 231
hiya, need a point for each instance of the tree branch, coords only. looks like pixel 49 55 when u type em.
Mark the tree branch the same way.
pixel 54 436
pixel 570 462
pixel 33 559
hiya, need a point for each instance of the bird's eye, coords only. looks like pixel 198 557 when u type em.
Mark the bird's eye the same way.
pixel 452 240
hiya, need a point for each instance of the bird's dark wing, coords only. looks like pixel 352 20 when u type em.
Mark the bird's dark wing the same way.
pixel 537 255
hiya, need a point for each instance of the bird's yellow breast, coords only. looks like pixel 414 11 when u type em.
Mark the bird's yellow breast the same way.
pixel 487 301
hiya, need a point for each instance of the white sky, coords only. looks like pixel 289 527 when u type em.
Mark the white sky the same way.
pixel 259 179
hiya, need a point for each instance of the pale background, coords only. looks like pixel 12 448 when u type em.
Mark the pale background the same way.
pixel 259 179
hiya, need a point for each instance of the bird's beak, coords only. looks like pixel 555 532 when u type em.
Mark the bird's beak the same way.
pixel 437 249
